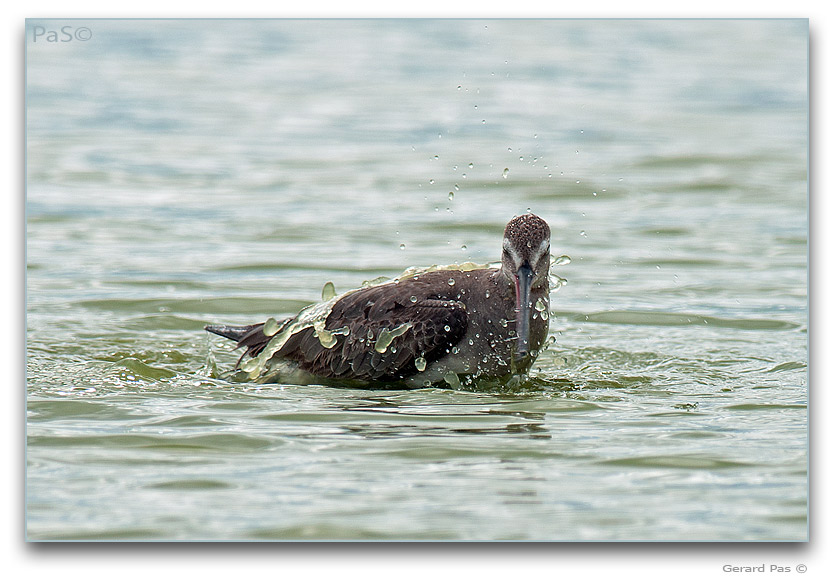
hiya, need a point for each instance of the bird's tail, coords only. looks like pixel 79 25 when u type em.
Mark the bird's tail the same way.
pixel 231 332
pixel 251 337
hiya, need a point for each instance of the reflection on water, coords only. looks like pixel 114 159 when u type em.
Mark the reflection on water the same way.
pixel 188 172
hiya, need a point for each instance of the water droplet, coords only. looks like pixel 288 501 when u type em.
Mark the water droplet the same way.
pixel 483 121
pixel 459 87
pixel 431 182
pixel 521 158
pixel 505 173
pixel 436 157
pixel 457 187
pixel 452 379
pixel 328 291
pixel 486 294
pixel 595 194
pixel 420 363
pixel 556 282
pixel 447 328
pixel 413 299
pixel 326 338
pixel 503 322
pixel 250 365
pixel 451 195
pixel 561 260
pixel 541 308
pixel 271 327
pixel 451 281
pixel 582 233
pixel 471 165
pixel 476 106
pixel 402 246
pixel 471 342
pixel 387 336
pixel 463 175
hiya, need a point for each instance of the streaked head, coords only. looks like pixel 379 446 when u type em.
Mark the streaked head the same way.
pixel 526 262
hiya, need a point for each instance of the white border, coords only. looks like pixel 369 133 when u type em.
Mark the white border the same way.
pixel 644 561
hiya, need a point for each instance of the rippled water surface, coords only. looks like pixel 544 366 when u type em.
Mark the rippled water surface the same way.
pixel 187 172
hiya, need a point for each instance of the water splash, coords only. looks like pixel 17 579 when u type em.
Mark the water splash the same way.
pixel 556 282
pixel 271 327
pixel 326 337
pixel 328 291
pixel 386 337
pixel 541 308
pixel 452 379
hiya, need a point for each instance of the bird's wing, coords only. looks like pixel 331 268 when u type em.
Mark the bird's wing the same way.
pixel 381 333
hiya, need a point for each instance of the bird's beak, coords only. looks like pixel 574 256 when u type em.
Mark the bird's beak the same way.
pixel 523 281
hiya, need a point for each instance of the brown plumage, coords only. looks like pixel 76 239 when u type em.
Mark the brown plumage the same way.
pixel 421 328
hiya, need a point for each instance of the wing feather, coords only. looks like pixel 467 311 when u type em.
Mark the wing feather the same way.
pixel 432 327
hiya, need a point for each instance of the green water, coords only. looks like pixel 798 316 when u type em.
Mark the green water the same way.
pixel 191 172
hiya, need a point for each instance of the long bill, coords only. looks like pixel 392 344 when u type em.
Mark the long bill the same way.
pixel 523 281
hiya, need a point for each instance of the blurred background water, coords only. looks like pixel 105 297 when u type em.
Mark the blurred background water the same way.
pixel 185 172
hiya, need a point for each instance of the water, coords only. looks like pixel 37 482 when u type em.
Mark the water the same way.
pixel 187 172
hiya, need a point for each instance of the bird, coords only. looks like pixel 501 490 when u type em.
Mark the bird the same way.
pixel 429 326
